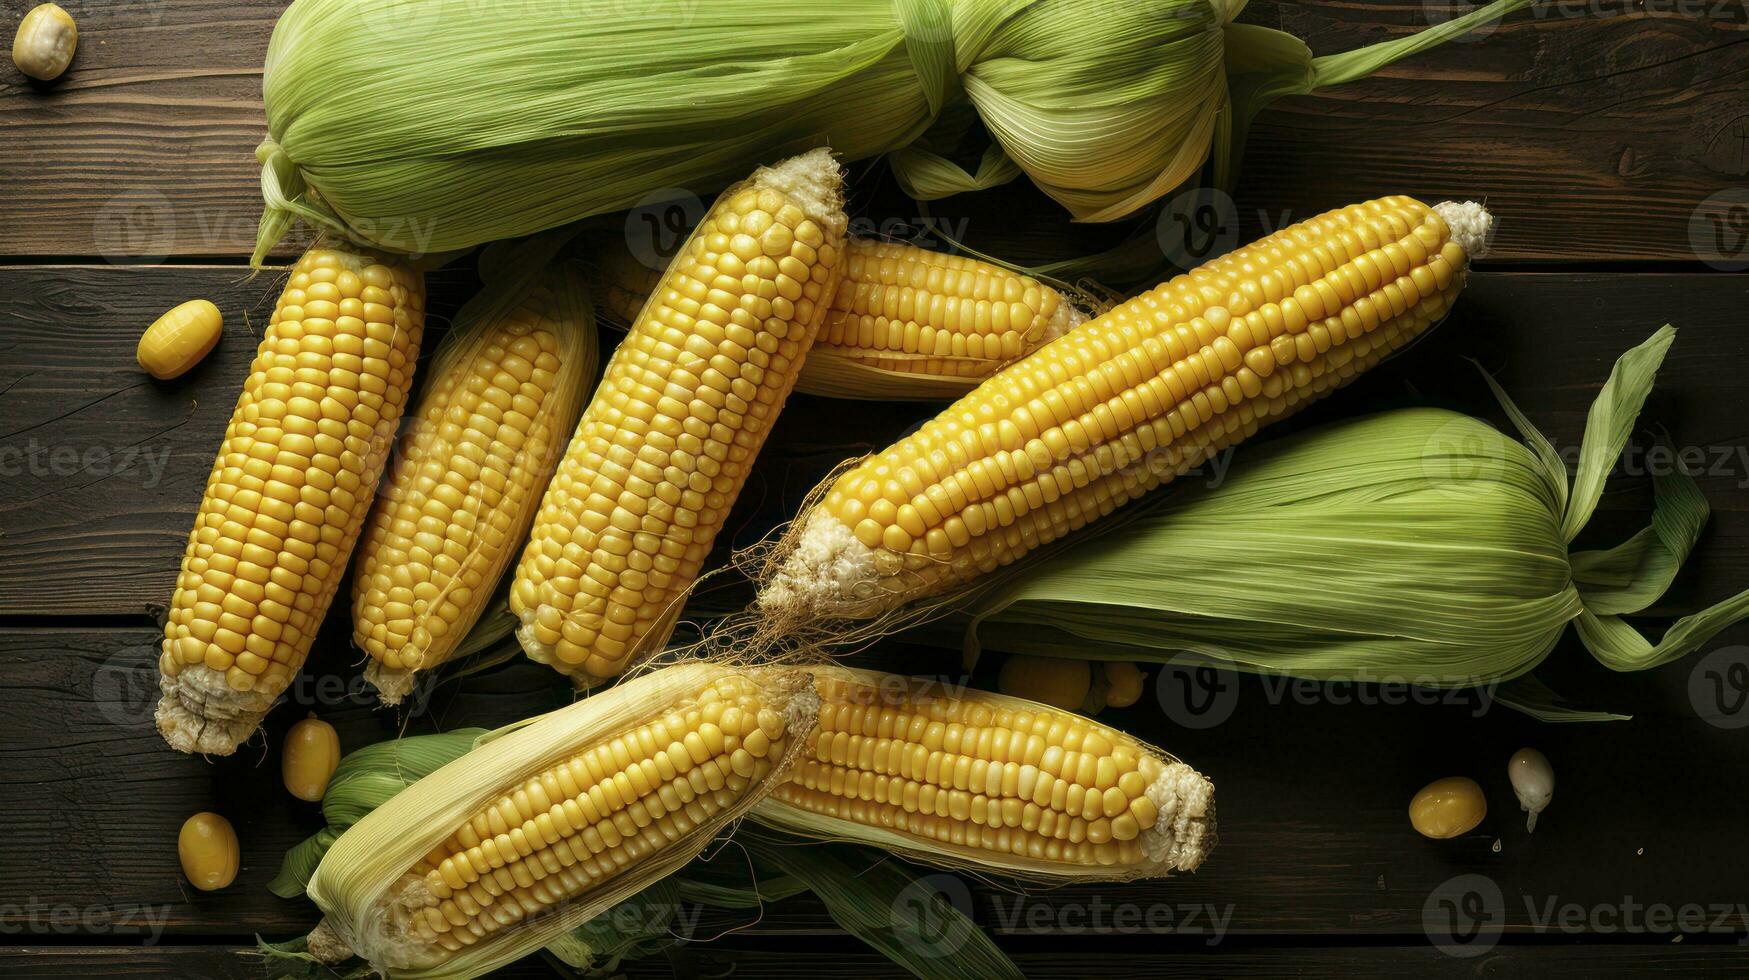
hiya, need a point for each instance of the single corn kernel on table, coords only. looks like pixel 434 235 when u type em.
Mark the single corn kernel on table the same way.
pixel 1611 146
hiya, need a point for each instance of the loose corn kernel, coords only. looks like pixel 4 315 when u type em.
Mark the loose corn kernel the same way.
pixel 686 402
pixel 45 42
pixel 180 339
pixel 309 757
pixel 207 848
pixel 1056 681
pixel 1123 683
pixel 1448 807
pixel 996 781
pixel 288 493
pixel 457 505
pixel 1123 404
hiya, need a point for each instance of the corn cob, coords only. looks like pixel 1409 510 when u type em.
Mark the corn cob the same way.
pixel 458 503
pixel 989 781
pixel 534 831
pixel 1126 402
pixel 686 402
pixel 905 323
pixel 288 493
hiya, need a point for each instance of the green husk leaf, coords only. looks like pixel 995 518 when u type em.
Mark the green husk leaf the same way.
pixel 1264 65
pixel 1532 697
pixel 555 115
pixel 1633 575
pixel 366 779
pixel 1610 423
pixel 1415 545
pixel 908 919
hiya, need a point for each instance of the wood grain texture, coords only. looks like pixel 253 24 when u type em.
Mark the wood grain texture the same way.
pixel 1595 130
pixel 1311 788
pixel 92 447
pixel 146 147
pixel 1598 133
pixel 103 467
pixel 802 959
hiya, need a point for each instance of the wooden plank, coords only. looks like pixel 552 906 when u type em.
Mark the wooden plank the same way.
pixel 1597 133
pixel 146 147
pixel 93 448
pixel 1311 789
pixel 790 958
pixel 103 466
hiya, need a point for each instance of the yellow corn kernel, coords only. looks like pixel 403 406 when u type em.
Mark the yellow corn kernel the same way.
pixel 1056 681
pixel 1448 808
pixel 965 777
pixel 683 408
pixel 907 309
pixel 1125 403
pixel 542 827
pixel 207 848
pixel 45 42
pixel 1123 683
pixel 456 507
pixel 288 493
pixel 309 757
pixel 898 309
pixel 180 339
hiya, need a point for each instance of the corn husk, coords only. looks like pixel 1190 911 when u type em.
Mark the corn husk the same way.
pixel 475 330
pixel 434 125
pixel 1417 545
pixel 866 893
pixel 359 883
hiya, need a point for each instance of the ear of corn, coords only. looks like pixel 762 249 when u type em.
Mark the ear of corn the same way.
pixel 966 778
pixel 570 112
pixel 684 406
pixel 905 322
pixel 1125 403
pixel 496 854
pixel 503 394
pixel 288 493
pixel 1449 539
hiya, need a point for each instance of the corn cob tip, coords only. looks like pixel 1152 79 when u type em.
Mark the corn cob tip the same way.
pixel 1184 834
pixel 325 944
pixel 814 181
pixel 1470 225
pixel 392 683
pixel 827 573
pixel 201 712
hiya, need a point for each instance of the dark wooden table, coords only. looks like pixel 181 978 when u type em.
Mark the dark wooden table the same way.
pixel 1601 134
